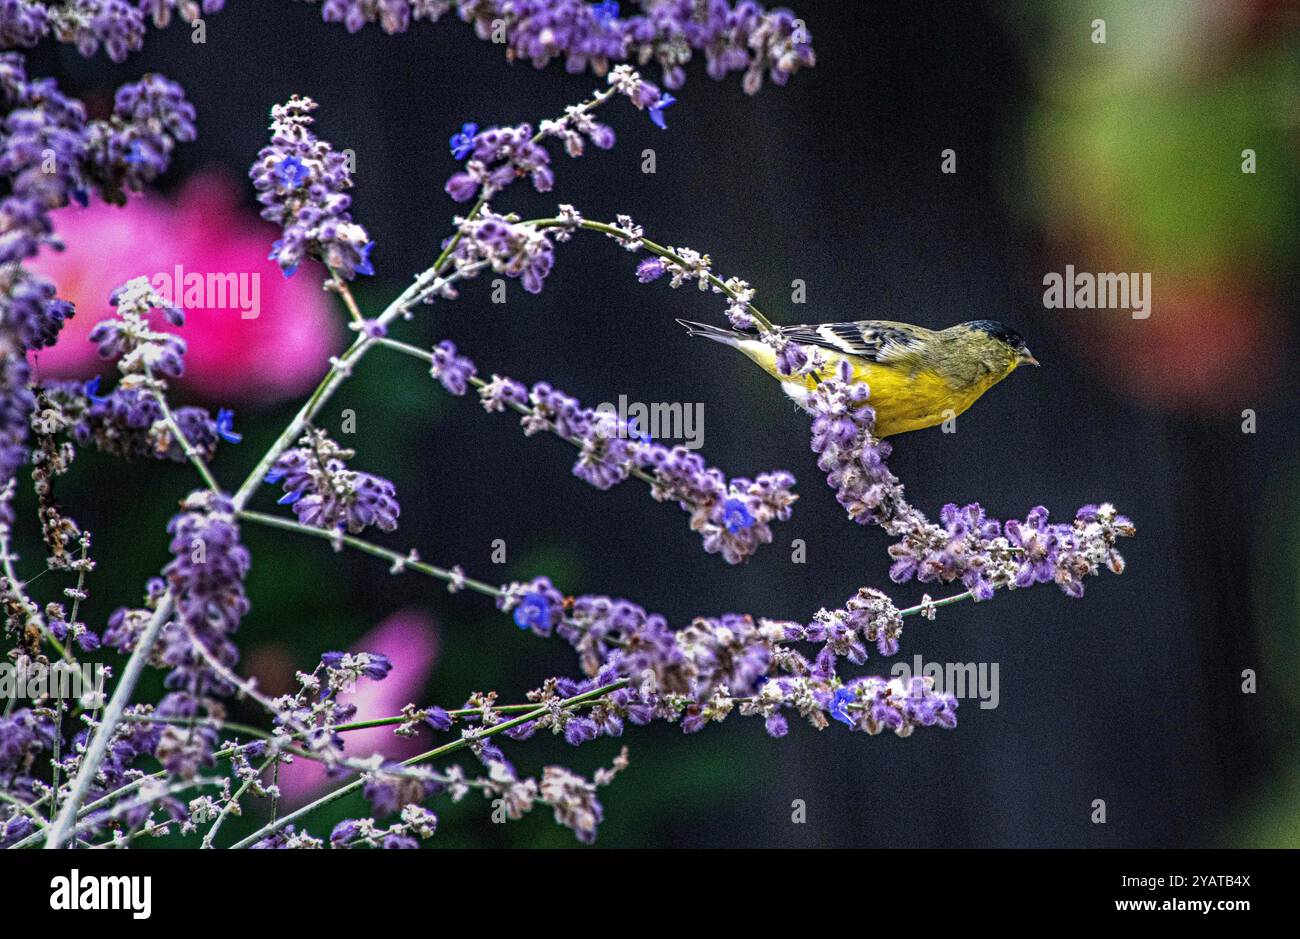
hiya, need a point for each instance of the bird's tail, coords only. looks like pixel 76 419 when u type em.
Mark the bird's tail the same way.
pixel 726 336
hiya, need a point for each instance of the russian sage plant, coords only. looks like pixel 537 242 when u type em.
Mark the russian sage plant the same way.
pixel 105 770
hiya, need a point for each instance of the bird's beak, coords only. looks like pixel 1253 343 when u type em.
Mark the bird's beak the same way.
pixel 1028 359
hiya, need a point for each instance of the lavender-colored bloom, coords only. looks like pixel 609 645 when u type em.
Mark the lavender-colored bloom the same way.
pixel 286 838
pixel 579 730
pixel 135 146
pixel 39 121
pixel 302 184
pixel 344 832
pixel 129 423
pixel 509 248
pixel 160 11
pixel 206 576
pixel 393 15
pixel 650 269
pixel 733 517
pixel 131 340
pixel 30 312
pixel 497 157
pixel 23 22
pixel 389 791
pixel 117 25
pixel 791 357
pixel 377 666
pixel 438 718
pixel 966 546
pixel 51 154
pixel 740 37
pixel 452 370
pixel 700 673
pixel 540 30
pixel 345 669
pixel 500 393
pixel 183 752
pixel 326 494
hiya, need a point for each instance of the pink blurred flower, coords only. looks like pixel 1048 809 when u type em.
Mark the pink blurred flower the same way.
pixel 252 335
pixel 410 641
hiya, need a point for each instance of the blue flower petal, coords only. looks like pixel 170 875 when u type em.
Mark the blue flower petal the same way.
pixel 226 426
pixel 657 110
pixel 463 143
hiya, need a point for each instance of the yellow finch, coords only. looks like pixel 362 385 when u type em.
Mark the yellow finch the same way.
pixel 918 377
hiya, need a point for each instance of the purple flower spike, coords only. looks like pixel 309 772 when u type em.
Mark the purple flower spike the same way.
pixel 980 552
pixel 314 219
pixel 326 494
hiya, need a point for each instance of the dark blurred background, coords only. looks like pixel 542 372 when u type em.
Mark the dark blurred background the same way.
pixel 1117 157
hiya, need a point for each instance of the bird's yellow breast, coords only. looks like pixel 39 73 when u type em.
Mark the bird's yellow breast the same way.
pixel 904 398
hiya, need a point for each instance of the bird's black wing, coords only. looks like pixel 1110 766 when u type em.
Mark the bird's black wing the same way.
pixel 872 339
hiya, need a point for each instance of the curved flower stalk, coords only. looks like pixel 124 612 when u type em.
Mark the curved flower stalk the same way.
pixel 732 516
pixel 681 265
pixel 740 37
pixel 982 553
pixel 701 672
pixel 497 156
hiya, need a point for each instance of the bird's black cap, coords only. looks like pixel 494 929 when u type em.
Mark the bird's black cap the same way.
pixel 999 331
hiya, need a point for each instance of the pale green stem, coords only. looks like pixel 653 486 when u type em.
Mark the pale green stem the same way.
pixel 99 740
pixel 191 453
pixel 232 802
pixel 657 250
pixel 94 755
pixel 400 561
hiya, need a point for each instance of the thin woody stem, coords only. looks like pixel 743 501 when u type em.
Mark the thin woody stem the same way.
pixel 657 250
pixel 191 453
pixel 340 286
pixel 399 561
pixel 94 755
pixel 482 734
pixel 226 809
